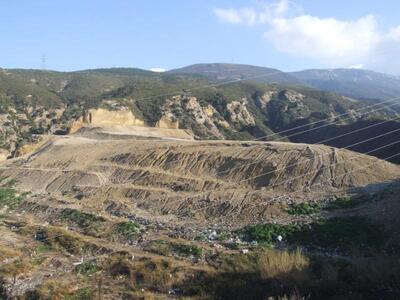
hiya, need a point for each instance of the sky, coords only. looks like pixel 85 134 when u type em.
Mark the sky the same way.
pixel 166 34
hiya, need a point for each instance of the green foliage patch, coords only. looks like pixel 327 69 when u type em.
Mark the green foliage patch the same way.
pixel 353 235
pixel 87 268
pixel 187 250
pixel 85 221
pixel 128 229
pixel 167 248
pixel 344 203
pixel 10 198
pixel 304 208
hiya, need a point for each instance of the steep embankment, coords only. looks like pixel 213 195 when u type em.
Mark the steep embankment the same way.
pixel 199 180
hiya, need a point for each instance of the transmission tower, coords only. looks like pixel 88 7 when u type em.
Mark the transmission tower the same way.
pixel 43 62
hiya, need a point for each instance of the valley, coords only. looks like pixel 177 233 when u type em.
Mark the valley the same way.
pixel 129 184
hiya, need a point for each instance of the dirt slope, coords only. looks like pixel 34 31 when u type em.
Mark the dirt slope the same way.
pixel 192 179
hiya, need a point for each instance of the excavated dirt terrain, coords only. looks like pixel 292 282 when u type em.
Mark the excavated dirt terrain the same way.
pixel 118 213
pixel 194 181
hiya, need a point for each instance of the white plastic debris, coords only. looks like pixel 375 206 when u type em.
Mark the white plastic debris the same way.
pixel 245 251
pixel 79 262
pixel 212 235
pixel 279 238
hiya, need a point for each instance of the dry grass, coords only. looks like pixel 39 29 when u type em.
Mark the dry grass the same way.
pixel 149 273
pixel 293 296
pixel 283 265
pixel 63 240
pixel 7 252
pixel 53 289
pixel 16 267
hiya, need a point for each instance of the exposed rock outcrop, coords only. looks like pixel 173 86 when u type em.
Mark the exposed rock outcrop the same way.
pixel 239 114
pixel 204 117
pixel 105 117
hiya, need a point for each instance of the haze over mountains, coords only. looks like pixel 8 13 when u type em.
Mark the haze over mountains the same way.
pixel 357 83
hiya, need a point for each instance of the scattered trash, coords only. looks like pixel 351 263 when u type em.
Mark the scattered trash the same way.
pixel 213 235
pixel 79 262
pixel 175 291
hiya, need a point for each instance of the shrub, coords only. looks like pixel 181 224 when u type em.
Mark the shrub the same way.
pixel 343 203
pixel 159 247
pixel 304 208
pixel 87 268
pixel 265 233
pixel 86 221
pixel 166 248
pixel 65 240
pixel 352 235
pixel 9 197
pixel 187 250
pixel 127 229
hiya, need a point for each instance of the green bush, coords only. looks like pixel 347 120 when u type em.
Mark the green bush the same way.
pixel 353 235
pixel 304 208
pixel 265 233
pixel 187 250
pixel 128 229
pixel 84 220
pixel 166 248
pixel 344 203
pixel 87 268
pixel 10 197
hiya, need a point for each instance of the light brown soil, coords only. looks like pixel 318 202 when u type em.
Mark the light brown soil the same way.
pixel 173 187
pixel 198 181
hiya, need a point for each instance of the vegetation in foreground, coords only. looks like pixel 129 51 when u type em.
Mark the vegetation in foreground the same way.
pixel 334 258
pixel 261 274
pixel 349 236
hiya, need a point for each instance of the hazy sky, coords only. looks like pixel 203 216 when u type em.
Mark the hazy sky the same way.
pixel 289 35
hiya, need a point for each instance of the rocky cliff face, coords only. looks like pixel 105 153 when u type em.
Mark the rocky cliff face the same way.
pixel 21 127
pixel 105 117
pixel 204 119
pixel 238 113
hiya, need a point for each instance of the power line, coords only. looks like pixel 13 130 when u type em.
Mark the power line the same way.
pixel 302 190
pixel 257 191
pixel 319 142
pixel 266 173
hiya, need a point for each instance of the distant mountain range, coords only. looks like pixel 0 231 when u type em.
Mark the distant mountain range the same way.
pixel 360 84
pixel 353 83
pixel 228 72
